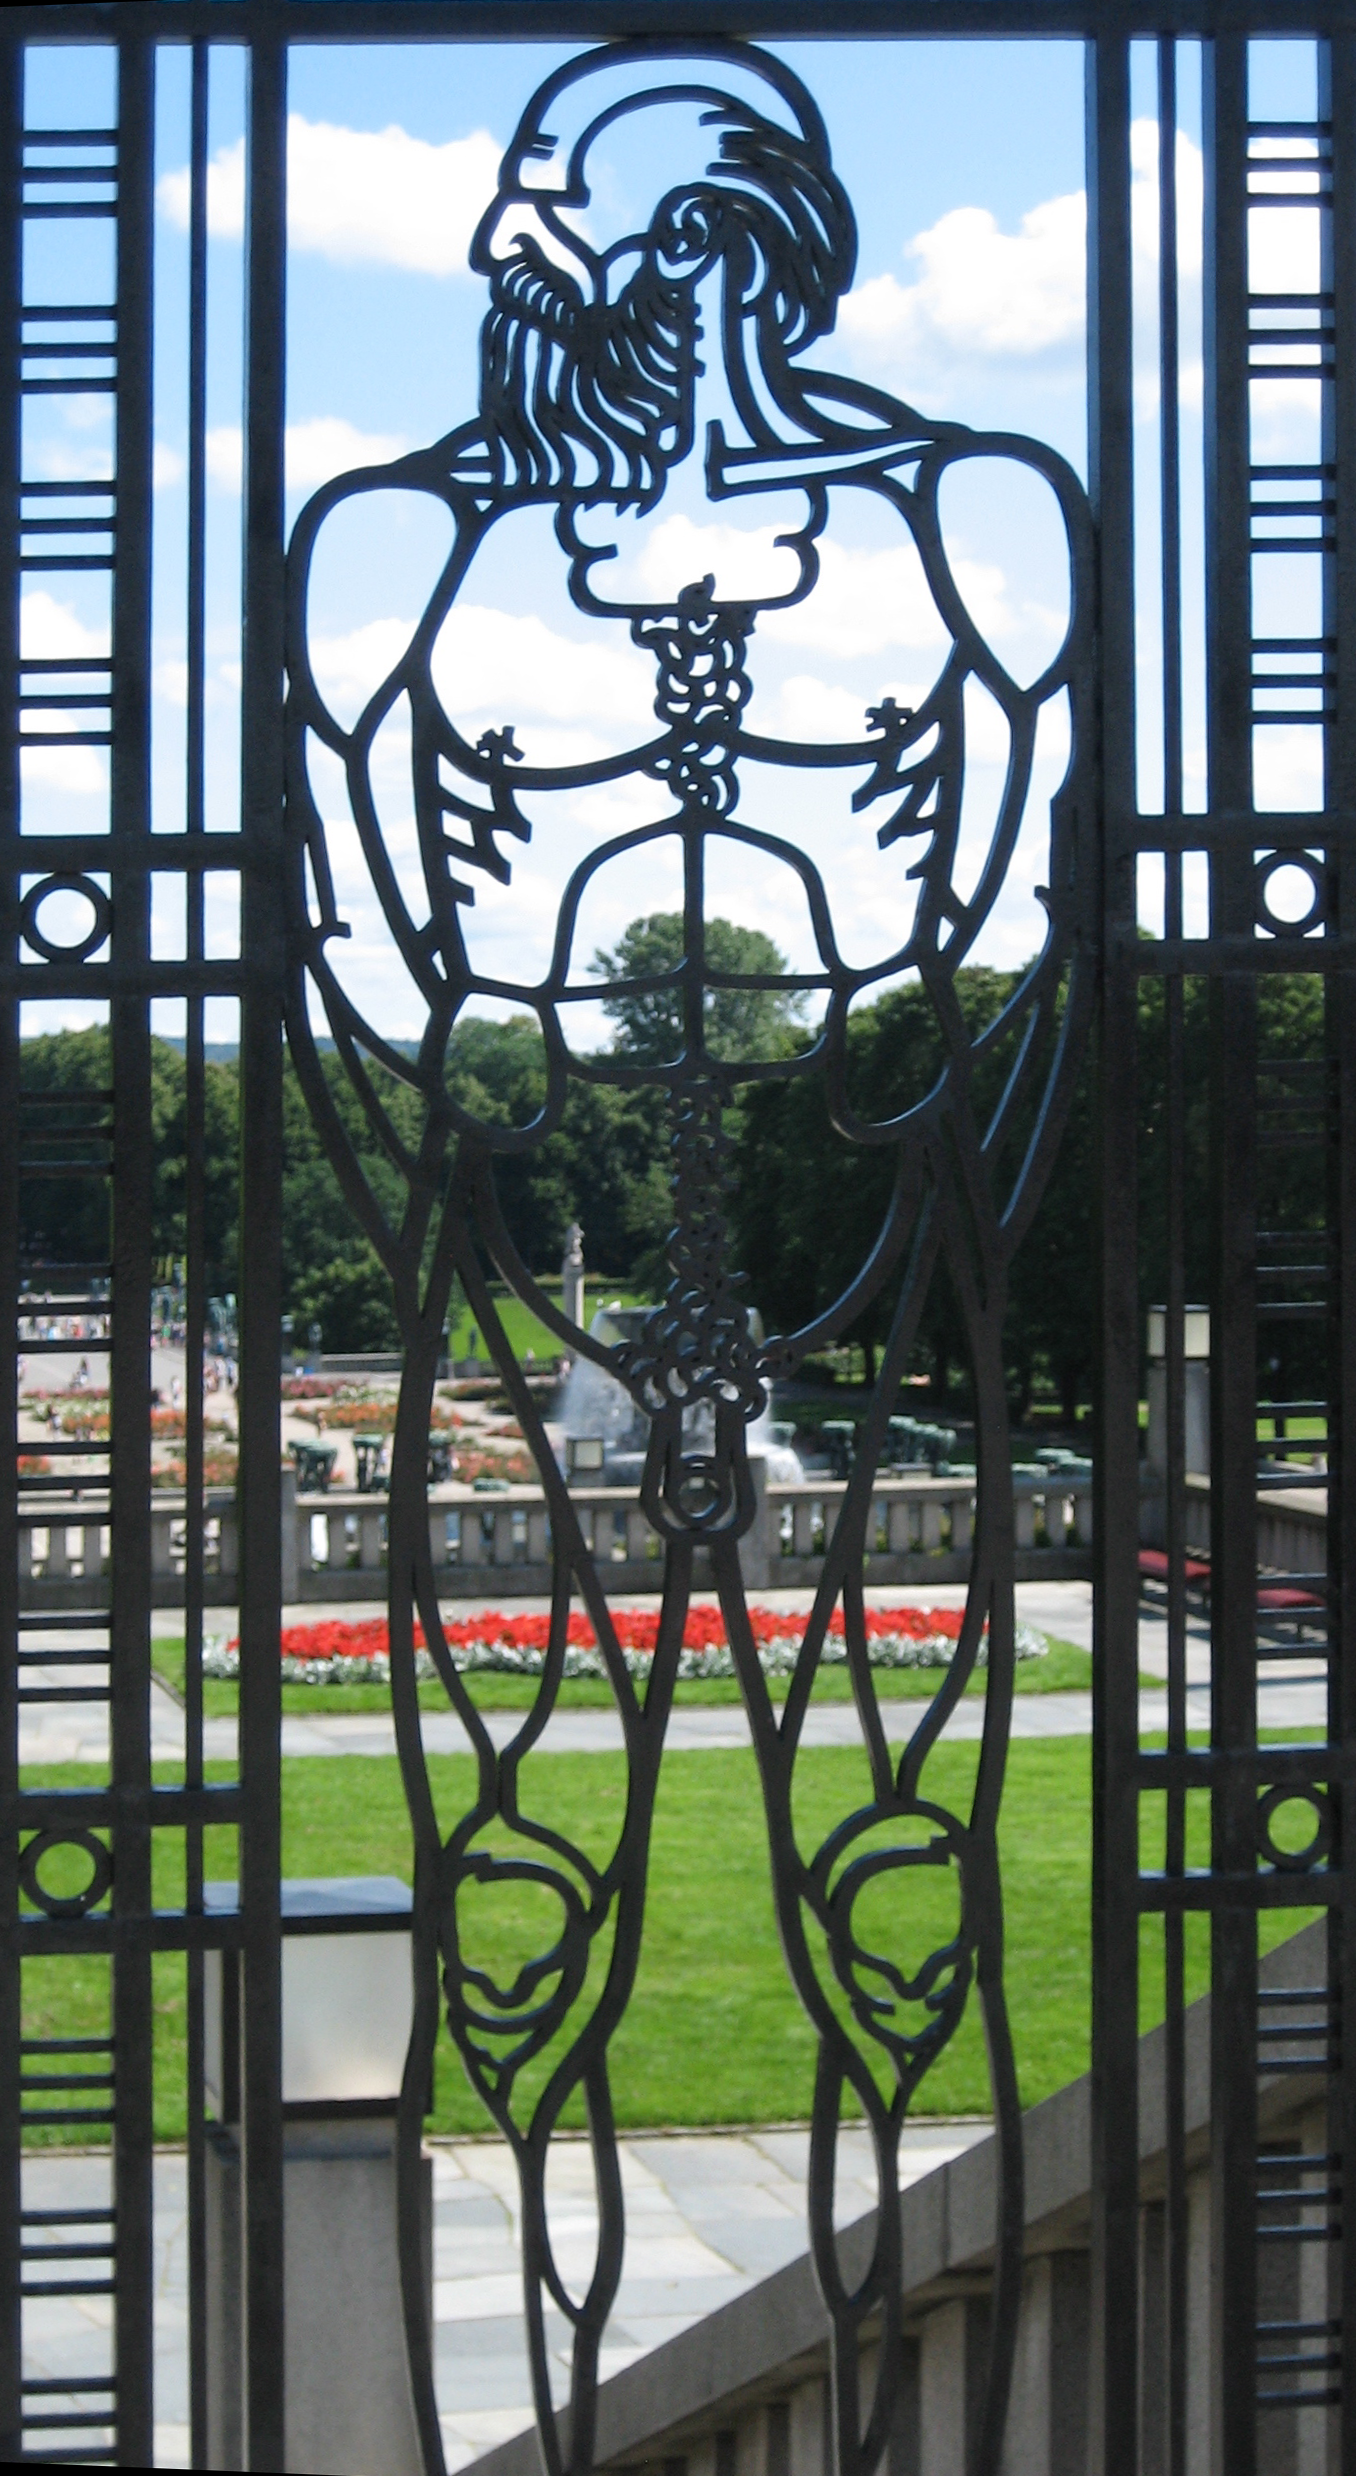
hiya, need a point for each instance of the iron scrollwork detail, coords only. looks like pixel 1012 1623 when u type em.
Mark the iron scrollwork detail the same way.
pixel 589 370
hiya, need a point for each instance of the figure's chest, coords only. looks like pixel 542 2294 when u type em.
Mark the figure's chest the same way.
pixel 514 648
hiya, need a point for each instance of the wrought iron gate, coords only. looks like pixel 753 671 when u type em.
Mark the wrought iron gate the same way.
pixel 113 1876
pixel 1275 1192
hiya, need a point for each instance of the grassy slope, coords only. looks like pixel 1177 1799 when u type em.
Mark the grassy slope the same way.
pixel 714 2033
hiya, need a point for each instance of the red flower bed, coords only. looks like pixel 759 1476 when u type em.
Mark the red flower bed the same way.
pixel 331 1652
pixel 637 1630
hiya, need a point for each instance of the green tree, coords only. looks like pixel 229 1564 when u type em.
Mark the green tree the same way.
pixel 66 1220
pixel 807 1205
pixel 740 1024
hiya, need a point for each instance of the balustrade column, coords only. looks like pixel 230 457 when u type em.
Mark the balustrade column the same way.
pixel 899 1519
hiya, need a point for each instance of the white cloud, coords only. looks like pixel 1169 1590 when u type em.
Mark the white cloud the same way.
pixel 863 601
pixel 747 561
pixel 1144 196
pixel 170 681
pixel 316 450
pixel 225 457
pixel 496 663
pixel 360 196
pixel 811 709
pixel 348 668
pixel 980 292
pixel 167 466
pixel 50 630
pixel 983 294
pixel 493 666
pixel 58 460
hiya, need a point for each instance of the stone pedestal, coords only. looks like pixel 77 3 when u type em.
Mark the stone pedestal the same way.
pixel 346 2389
pixel 1196 1372
pixel 755 1548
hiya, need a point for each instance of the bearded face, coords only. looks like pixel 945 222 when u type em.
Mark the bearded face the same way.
pixel 587 382
pixel 587 394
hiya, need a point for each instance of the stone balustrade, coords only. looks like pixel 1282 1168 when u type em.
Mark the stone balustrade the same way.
pixel 1292 1526
pixel 919 1530
pixel 743 2392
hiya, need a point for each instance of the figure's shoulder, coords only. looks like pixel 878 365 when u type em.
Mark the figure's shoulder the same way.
pixel 1010 452
pixel 456 469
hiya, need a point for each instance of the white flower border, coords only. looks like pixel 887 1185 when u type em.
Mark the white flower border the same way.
pixel 220 1659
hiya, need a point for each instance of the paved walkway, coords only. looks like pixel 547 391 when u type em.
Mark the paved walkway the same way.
pixel 1291 1697
pixel 708 2214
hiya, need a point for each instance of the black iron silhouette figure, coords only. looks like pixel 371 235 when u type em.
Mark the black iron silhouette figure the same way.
pixel 590 367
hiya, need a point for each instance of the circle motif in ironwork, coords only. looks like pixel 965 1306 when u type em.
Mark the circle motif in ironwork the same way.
pixel 1315 1849
pixel 73 1903
pixel 67 950
pixel 1285 864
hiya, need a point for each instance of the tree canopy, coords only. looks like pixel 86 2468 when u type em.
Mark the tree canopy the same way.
pixel 740 1024
pixel 804 1205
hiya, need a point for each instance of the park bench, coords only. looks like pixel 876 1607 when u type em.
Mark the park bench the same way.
pixel 315 1467
pixel 1292 1608
pixel 369 1454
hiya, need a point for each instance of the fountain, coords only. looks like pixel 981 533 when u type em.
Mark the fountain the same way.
pixel 594 1404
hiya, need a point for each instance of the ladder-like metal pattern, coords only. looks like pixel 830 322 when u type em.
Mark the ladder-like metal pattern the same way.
pixel 78 1906
pixel 1252 1003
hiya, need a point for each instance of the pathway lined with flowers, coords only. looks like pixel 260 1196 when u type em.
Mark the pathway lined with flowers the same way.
pixel 347 1651
pixel 53 1733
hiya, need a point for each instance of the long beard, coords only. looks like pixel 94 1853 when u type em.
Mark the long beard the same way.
pixel 584 394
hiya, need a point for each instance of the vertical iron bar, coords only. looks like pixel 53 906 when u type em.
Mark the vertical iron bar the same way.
pixel 260 1493
pixel 130 1368
pixel 1115 2178
pixel 194 1239
pixel 1169 428
pixel 11 295
pixel 1173 2406
pixel 1233 1348
pixel 1338 104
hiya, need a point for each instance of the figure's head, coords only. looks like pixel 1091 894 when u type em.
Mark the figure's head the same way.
pixel 589 351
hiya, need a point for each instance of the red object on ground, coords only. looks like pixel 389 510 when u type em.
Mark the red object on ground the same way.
pixel 1154 1563
pixel 637 1630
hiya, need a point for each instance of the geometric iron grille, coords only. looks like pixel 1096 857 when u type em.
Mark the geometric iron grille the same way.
pixel 104 1883
pixel 103 1902
pixel 1228 984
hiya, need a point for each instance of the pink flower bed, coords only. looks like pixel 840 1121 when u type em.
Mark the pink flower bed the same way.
pixel 335 1653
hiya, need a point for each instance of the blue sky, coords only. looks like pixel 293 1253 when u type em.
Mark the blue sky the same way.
pixel 964 164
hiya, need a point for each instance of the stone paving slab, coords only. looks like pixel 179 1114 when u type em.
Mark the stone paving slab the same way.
pixel 708 2214
pixel 1287 1700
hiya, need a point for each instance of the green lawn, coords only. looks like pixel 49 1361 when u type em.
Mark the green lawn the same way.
pixel 714 2034
pixel 521 1326
pixel 1065 1668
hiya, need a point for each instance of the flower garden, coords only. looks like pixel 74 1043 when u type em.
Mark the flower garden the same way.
pixel 358 1652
